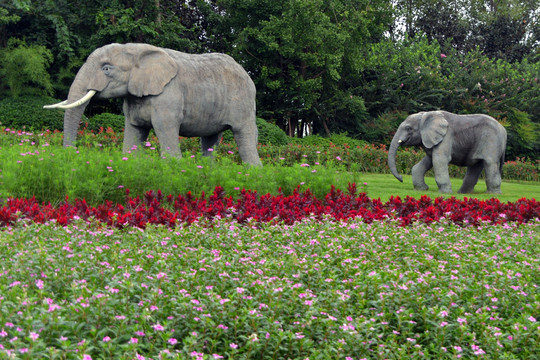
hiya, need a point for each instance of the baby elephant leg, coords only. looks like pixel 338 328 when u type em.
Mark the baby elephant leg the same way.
pixel 419 171
pixel 209 144
pixel 471 178
pixel 442 176
pixel 493 177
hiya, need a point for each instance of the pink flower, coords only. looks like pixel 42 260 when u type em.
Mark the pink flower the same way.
pixel 39 284
pixel 158 327
pixel 133 340
pixel 172 341
pixel 233 346
pixel 443 56
pixel 106 339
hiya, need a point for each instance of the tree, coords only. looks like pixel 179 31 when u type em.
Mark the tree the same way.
pixel 504 29
pixel 298 52
pixel 24 68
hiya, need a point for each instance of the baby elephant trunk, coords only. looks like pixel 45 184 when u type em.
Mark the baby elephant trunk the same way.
pixel 392 157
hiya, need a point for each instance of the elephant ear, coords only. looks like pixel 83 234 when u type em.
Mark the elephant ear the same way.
pixel 152 70
pixel 433 128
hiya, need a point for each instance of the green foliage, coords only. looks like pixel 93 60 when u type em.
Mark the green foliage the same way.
pixel 403 76
pixel 27 113
pixel 318 289
pixel 23 69
pixel 270 134
pixel 122 24
pixel 505 29
pixel 105 121
pixel 6 18
pixel 298 52
pixel 100 173
pixel 523 135
pixel 312 140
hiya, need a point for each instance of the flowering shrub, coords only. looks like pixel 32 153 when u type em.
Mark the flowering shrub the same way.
pixel 155 208
pixel 315 289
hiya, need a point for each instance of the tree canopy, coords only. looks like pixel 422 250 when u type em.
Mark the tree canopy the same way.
pixel 320 66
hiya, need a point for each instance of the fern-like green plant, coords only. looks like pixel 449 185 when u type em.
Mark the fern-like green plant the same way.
pixel 23 68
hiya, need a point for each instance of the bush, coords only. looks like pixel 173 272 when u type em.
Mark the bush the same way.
pixel 24 69
pixel 105 121
pixel 27 113
pixel 311 140
pixel 269 134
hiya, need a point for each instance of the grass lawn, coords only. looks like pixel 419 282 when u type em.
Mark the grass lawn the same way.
pixel 385 185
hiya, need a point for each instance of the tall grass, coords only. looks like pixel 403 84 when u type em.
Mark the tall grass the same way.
pixel 97 174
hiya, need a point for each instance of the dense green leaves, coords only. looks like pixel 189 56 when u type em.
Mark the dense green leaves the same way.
pixel 320 67
pixel 24 69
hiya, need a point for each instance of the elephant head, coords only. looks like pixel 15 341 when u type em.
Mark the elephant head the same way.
pixel 112 71
pixel 426 129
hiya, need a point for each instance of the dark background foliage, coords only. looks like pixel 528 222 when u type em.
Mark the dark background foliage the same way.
pixel 321 66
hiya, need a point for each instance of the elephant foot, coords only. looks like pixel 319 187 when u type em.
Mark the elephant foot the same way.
pixel 494 191
pixel 465 191
pixel 445 190
pixel 421 187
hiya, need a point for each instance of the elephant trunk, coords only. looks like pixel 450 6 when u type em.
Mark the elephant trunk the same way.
pixel 78 97
pixel 79 89
pixel 392 157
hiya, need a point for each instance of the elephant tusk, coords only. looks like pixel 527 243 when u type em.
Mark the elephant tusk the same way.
pixel 54 106
pixel 400 141
pixel 79 102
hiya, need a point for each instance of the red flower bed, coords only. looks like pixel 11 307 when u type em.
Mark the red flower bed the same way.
pixel 154 208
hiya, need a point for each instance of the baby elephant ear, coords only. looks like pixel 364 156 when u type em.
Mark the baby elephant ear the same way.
pixel 433 128
pixel 153 69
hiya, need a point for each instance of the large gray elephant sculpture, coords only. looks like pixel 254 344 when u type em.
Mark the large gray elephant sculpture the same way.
pixel 475 141
pixel 172 92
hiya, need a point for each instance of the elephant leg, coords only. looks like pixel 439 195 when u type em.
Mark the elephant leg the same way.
pixel 493 177
pixel 168 138
pixel 210 142
pixel 246 139
pixel 442 176
pixel 471 178
pixel 418 173
pixel 134 137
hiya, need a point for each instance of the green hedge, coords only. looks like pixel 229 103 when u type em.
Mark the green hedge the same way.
pixel 104 121
pixel 27 113
pixel 269 134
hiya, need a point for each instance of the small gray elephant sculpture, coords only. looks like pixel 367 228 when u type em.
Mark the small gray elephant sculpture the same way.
pixel 475 141
pixel 172 92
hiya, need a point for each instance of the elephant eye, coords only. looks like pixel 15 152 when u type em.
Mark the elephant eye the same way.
pixel 107 69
